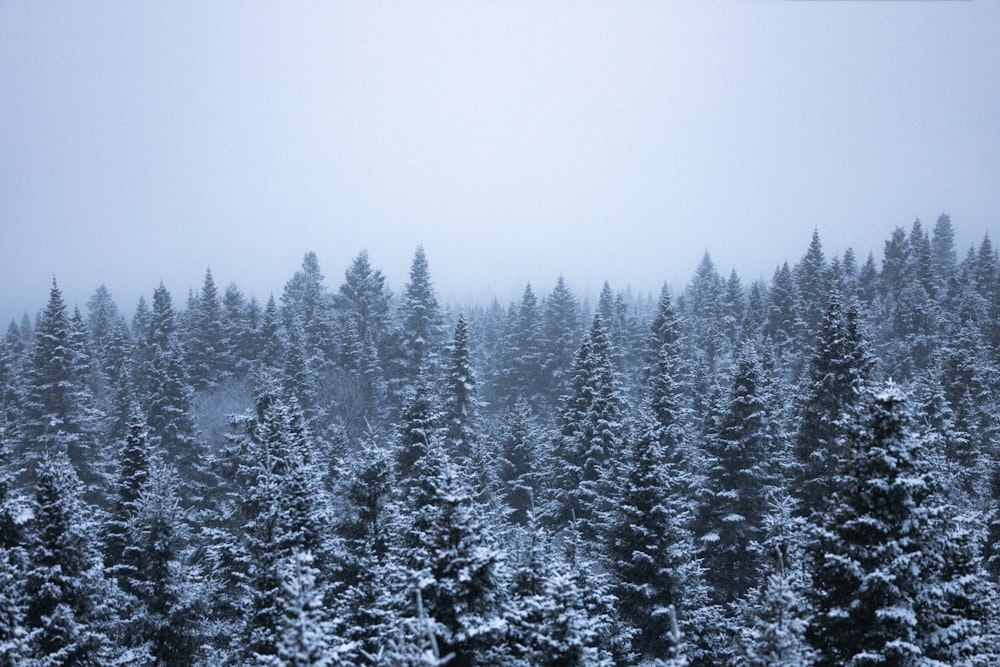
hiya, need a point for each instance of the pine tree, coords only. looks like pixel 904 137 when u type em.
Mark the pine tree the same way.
pixel 592 431
pixel 13 564
pixel 779 610
pixel 169 397
pixel 59 413
pixel 461 411
pixel 520 449
pixel 304 634
pixel 811 281
pixel 739 477
pixel 363 325
pixel 205 342
pixel 366 529
pixel 67 616
pixel 420 319
pixel 838 374
pixel 282 509
pixel 308 306
pixel 133 475
pixel 784 326
pixel 169 589
pixel 522 370
pixel 561 336
pixel 887 560
pixel 651 549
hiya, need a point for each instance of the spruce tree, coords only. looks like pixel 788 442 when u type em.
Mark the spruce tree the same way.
pixel 561 335
pixel 838 374
pixel 893 582
pixel 420 321
pixel 741 472
pixel 59 413
pixel 651 550
pixel 68 616
pixel 592 432
pixel 461 409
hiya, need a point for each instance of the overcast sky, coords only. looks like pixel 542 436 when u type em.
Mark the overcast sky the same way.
pixel 147 141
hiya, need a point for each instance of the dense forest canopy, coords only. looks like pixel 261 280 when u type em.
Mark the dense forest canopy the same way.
pixel 795 471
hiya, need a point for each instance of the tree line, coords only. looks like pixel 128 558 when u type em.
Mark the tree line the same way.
pixel 799 471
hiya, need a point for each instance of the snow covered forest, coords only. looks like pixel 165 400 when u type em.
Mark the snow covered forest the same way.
pixel 796 471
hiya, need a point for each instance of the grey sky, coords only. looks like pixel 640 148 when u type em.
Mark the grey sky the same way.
pixel 515 140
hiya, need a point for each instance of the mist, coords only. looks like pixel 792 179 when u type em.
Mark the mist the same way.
pixel 514 141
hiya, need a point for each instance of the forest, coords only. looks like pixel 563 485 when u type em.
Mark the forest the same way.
pixel 788 472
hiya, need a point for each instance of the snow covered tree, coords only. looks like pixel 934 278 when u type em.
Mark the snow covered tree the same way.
pixel 592 431
pixel 778 608
pixel 520 449
pixel 304 633
pixel 651 550
pixel 307 305
pixel 522 371
pixel 205 340
pixel 886 561
pixel 838 374
pixel 282 509
pixel 739 477
pixel 461 408
pixel 133 473
pixel 364 605
pixel 363 326
pixel 169 589
pixel 58 405
pixel 561 332
pixel 68 616
pixel 784 325
pixel 811 281
pixel 421 322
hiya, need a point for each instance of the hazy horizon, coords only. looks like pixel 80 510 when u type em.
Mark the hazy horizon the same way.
pixel 514 141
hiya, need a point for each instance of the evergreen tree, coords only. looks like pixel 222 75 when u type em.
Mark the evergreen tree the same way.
pixel 304 634
pixel 651 550
pixel 282 509
pixel 205 342
pixel 739 477
pixel 169 589
pixel 59 412
pixel 363 324
pixel 308 306
pixel 522 372
pixel 420 319
pixel 365 527
pixel 811 280
pixel 885 560
pixel 561 334
pixel 838 373
pixel 779 609
pixel 67 617
pixel 168 395
pixel 461 407
pixel 592 431
pixel 520 447
pixel 784 326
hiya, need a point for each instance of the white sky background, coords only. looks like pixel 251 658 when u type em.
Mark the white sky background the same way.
pixel 516 140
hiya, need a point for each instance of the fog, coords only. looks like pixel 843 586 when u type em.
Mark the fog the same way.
pixel 516 141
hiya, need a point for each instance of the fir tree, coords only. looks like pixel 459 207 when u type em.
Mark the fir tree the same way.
pixel 67 617
pixel 838 373
pixel 739 477
pixel 592 430
pixel 461 407
pixel 561 334
pixel 886 560
pixel 420 319
pixel 651 549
